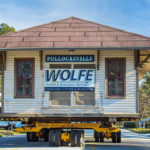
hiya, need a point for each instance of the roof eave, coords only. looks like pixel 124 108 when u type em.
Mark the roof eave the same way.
pixel 74 48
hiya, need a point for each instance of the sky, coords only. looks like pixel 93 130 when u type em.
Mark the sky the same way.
pixel 130 15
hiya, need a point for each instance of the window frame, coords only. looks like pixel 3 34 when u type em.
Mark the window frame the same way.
pixel 33 78
pixel 123 96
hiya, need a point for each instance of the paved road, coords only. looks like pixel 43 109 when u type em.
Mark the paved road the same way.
pixel 130 141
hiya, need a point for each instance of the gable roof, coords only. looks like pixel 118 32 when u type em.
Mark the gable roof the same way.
pixel 72 33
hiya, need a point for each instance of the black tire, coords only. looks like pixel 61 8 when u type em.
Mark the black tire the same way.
pixel 34 138
pixel 28 137
pixel 52 137
pixel 58 137
pixel 73 138
pixel 101 136
pixel 80 138
pixel 119 137
pixel 45 134
pixel 114 137
pixel 96 136
pixel 46 138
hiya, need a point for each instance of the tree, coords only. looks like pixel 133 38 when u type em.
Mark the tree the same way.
pixel 4 28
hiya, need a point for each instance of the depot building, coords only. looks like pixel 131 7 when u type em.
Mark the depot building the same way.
pixel 72 68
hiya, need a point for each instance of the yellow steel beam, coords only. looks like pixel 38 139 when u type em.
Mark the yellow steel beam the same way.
pixel 94 126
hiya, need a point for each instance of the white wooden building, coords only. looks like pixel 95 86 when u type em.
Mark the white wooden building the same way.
pixel 72 68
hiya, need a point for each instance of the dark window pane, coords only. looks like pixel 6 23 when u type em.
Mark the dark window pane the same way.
pixel 115 87
pixel 115 77
pixel 28 65
pixel 20 82
pixel 21 65
pixel 24 78
pixel 28 82
pixel 20 73
pixel 28 74
pixel 20 91
pixel 28 91
pixel 21 69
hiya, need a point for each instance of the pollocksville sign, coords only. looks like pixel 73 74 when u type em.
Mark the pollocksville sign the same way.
pixel 69 80
pixel 69 58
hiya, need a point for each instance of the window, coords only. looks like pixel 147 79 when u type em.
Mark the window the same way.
pixel 115 74
pixel 72 98
pixel 24 78
pixel 60 98
pixel 84 97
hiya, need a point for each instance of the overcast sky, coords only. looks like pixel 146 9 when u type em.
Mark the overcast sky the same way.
pixel 130 15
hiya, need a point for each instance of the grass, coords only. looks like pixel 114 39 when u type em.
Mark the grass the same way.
pixel 4 133
pixel 140 130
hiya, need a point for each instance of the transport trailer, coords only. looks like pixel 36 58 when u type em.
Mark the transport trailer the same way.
pixel 58 77
pixel 58 134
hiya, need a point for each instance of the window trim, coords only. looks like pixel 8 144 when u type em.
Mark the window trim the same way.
pixel 123 96
pixel 15 76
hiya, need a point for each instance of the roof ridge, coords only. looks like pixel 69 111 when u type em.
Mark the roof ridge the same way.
pixel 22 30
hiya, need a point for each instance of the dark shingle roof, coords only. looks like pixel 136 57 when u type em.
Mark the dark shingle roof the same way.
pixel 72 32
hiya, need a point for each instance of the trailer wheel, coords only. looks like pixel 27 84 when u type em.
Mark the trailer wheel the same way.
pixel 58 137
pixel 45 134
pixel 73 138
pixel 114 137
pixel 52 137
pixel 34 138
pixel 28 137
pixel 101 136
pixel 119 137
pixel 80 138
pixel 96 136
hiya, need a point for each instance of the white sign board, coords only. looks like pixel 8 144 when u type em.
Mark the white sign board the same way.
pixel 69 80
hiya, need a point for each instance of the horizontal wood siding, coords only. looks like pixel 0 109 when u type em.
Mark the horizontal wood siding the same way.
pixel 40 103
pixel 19 105
pixel 128 104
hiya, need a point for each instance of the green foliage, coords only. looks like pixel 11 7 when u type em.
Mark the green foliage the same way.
pixel 144 97
pixel 140 130
pixel 129 125
pixel 4 29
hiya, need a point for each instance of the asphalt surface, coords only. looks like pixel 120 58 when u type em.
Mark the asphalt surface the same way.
pixel 130 141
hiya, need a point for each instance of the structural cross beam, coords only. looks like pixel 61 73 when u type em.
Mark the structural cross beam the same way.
pixel 145 60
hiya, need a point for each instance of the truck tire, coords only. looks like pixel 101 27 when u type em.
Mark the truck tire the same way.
pixel 34 138
pixel 101 136
pixel 28 137
pixel 45 134
pixel 52 137
pixel 80 138
pixel 96 136
pixel 114 137
pixel 119 137
pixel 58 137
pixel 73 138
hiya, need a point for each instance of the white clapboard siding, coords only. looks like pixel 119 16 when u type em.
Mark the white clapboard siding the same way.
pixel 13 105
pixel 40 103
pixel 127 105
